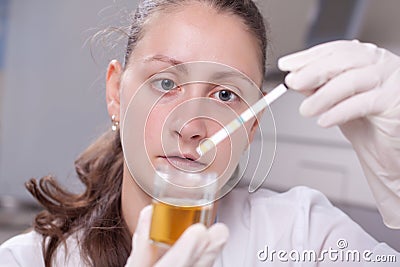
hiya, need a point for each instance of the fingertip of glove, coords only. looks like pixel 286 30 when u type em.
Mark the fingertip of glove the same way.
pixel 195 236
pixel 324 122
pixel 305 110
pixel 292 82
pixel 144 219
pixel 282 64
pixel 146 212
pixel 195 232
pixel 219 232
pixel 197 228
pixel 221 228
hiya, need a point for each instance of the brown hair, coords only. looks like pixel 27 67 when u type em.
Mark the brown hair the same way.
pixel 95 215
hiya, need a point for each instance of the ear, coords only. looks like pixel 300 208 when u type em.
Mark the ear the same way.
pixel 113 79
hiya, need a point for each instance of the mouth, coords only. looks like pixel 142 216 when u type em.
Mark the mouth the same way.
pixel 184 162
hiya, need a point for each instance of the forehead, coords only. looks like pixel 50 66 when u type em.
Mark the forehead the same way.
pixel 197 32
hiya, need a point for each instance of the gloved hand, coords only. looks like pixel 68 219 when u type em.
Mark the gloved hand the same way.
pixel 198 246
pixel 356 86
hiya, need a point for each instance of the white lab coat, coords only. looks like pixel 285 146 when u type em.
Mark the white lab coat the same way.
pixel 298 220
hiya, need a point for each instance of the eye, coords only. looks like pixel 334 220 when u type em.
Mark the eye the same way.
pixel 225 95
pixel 164 84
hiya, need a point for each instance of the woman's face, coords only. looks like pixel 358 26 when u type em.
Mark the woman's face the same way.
pixel 175 124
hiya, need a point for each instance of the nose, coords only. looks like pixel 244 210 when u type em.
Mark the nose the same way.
pixel 193 131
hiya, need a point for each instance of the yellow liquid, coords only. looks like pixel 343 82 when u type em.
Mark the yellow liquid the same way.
pixel 169 222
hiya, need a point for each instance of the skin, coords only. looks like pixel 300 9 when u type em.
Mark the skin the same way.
pixel 195 32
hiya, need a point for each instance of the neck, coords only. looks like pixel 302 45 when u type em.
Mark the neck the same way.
pixel 133 200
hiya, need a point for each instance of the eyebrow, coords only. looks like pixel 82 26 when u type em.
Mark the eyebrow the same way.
pixel 233 74
pixel 171 61
pixel 181 67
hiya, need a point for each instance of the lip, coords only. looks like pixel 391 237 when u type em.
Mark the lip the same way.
pixel 185 163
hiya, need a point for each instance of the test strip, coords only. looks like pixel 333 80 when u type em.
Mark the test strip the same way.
pixel 235 124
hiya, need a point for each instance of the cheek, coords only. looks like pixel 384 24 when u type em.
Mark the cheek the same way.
pixel 152 131
pixel 230 151
pixel 223 156
pixel 154 128
pixel 129 88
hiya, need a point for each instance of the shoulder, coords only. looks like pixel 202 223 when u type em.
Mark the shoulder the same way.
pixel 299 197
pixel 296 197
pixel 300 215
pixel 31 239
pixel 297 206
pixel 22 250
pixel 279 220
pixel 26 250
pixel 301 205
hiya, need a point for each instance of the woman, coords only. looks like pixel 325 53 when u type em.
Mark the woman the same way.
pixel 95 228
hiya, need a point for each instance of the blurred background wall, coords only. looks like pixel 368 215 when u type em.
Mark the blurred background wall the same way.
pixel 52 101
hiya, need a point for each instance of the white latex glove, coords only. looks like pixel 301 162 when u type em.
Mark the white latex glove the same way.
pixel 198 246
pixel 356 86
